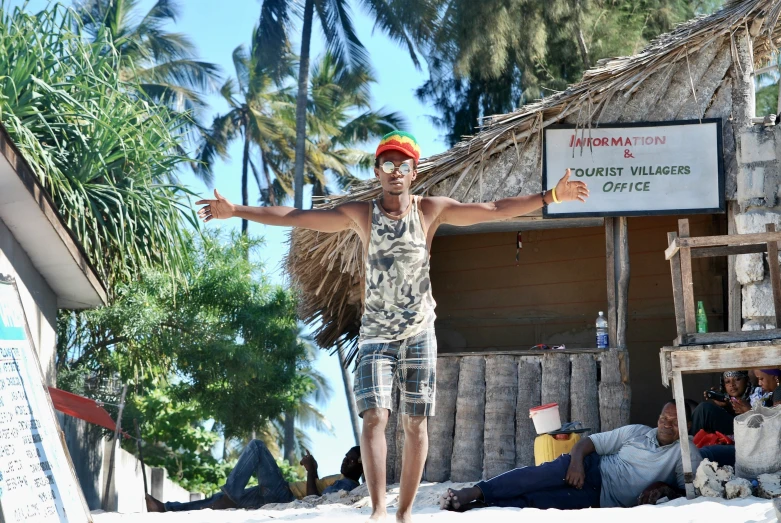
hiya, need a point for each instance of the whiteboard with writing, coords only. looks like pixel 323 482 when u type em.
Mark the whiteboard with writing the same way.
pixel 37 482
pixel 638 169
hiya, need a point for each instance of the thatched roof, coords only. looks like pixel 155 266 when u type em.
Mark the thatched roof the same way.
pixel 689 68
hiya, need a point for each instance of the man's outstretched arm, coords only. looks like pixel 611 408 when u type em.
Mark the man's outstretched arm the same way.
pixel 463 214
pixel 323 220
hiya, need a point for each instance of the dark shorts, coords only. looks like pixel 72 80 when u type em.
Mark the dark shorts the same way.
pixel 410 363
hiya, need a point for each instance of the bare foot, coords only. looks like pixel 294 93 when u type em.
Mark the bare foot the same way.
pixel 457 499
pixel 377 516
pixel 153 505
pixel 404 517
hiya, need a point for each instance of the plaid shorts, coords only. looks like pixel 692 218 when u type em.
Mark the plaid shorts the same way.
pixel 410 363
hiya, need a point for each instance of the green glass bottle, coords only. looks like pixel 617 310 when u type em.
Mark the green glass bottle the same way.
pixel 702 319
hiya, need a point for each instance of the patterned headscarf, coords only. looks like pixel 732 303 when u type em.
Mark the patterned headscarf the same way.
pixel 399 141
pixel 737 374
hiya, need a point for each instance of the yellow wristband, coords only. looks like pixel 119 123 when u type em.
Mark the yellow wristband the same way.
pixel 553 192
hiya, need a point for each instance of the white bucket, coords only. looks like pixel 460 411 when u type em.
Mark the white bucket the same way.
pixel 546 418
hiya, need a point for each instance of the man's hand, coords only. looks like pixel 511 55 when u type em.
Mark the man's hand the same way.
pixel 220 208
pixel 655 492
pixel 567 191
pixel 576 476
pixel 308 462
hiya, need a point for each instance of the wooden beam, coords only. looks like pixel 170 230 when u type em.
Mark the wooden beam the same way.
pixel 622 285
pixel 714 241
pixel 687 283
pixel 712 338
pixel 675 274
pixel 699 361
pixel 525 223
pixel 733 250
pixel 734 292
pixel 610 261
pixel 680 406
pixel 519 352
pixel 775 273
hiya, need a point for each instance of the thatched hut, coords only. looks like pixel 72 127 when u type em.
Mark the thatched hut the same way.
pixel 493 307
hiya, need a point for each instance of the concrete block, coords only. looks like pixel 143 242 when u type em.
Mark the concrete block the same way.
pixel 710 479
pixel 756 145
pixel 751 182
pixel 757 325
pixel 738 488
pixel 755 221
pixel 157 482
pixel 749 268
pixel 769 486
pixel 758 300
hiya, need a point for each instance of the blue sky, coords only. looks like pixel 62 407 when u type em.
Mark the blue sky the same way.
pixel 217 28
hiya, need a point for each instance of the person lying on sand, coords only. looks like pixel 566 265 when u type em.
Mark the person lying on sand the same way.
pixel 272 487
pixel 625 467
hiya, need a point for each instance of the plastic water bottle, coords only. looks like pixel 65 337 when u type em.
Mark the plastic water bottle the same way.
pixel 602 337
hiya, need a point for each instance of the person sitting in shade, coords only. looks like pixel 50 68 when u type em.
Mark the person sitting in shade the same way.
pixel 714 415
pixel 272 487
pixel 766 389
pixel 624 467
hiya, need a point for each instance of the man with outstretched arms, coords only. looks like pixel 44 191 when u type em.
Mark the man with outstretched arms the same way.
pixel 397 346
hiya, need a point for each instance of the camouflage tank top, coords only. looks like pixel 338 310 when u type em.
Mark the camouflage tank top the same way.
pixel 397 289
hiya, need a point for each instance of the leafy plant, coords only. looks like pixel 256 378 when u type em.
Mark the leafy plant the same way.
pixel 105 154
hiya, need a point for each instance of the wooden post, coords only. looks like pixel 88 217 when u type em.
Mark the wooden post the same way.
pixel 584 394
pixel 393 455
pixel 734 297
pixel 687 281
pixel 117 434
pixel 399 444
pixel 622 285
pixel 467 460
pixel 442 425
pixel 675 273
pixel 349 394
pixel 775 273
pixel 610 261
pixel 556 382
pixel 141 456
pixel 501 391
pixel 680 405
pixel 529 396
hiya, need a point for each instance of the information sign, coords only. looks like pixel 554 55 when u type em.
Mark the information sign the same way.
pixel 37 481
pixel 638 169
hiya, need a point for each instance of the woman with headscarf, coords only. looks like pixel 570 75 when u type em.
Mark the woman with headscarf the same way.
pixel 714 415
pixel 766 391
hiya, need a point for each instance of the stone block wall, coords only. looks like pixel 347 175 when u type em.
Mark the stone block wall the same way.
pixel 758 203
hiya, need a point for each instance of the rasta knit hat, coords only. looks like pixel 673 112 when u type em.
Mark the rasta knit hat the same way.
pixel 399 141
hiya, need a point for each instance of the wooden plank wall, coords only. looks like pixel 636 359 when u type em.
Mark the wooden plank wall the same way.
pixel 483 404
pixel 485 302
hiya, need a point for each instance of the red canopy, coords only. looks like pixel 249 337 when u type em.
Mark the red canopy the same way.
pixel 81 407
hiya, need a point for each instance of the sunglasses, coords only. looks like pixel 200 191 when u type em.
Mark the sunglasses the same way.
pixel 390 167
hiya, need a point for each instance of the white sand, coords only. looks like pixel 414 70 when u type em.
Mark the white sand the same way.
pixel 354 508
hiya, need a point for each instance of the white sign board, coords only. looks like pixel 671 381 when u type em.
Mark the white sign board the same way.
pixel 37 482
pixel 634 169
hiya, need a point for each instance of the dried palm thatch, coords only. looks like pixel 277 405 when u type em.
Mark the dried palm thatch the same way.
pixel 327 268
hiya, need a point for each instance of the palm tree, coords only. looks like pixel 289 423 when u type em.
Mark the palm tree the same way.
pixel 257 105
pixel 406 21
pixel 162 63
pixel 339 118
